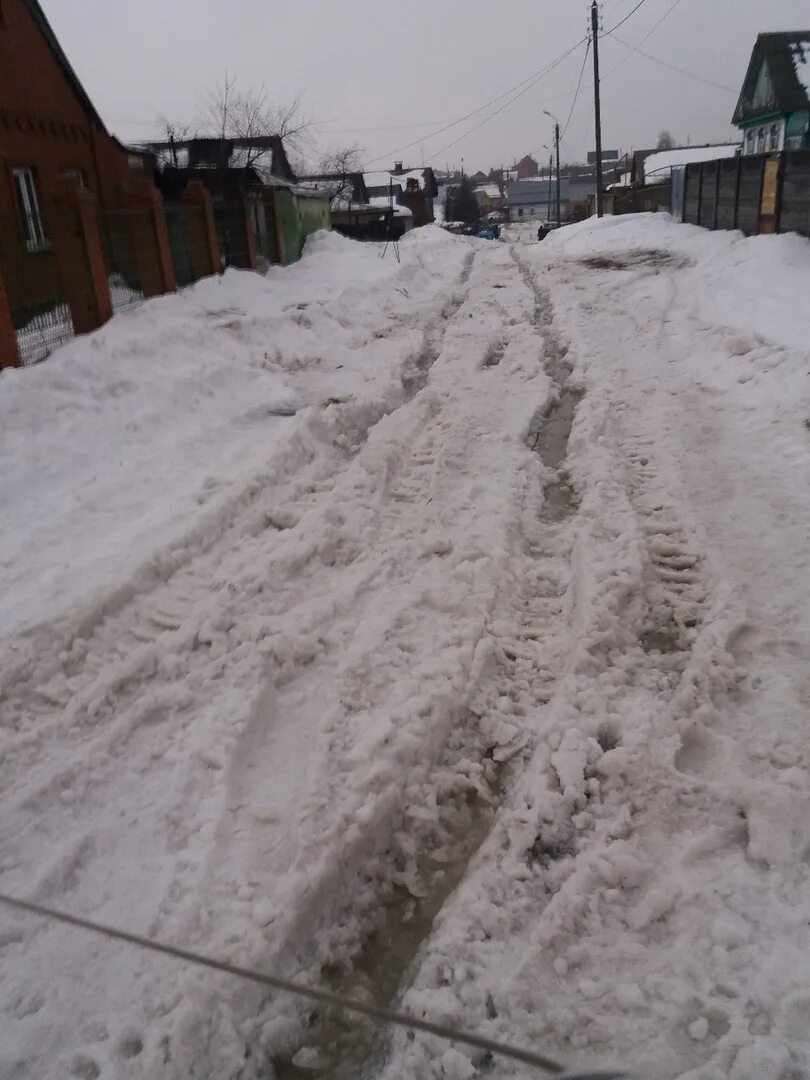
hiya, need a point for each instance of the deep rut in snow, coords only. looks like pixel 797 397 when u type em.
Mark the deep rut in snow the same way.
pixel 550 428
pixel 347 1047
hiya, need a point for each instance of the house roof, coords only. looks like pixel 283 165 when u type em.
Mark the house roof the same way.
pixel 657 166
pixel 490 190
pixel 425 177
pixel 215 153
pixel 38 15
pixel 785 60
pixel 344 190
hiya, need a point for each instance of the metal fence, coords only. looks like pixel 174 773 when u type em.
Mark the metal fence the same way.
pixel 37 297
pixel 230 222
pixel 185 224
pixel 118 233
pixel 763 193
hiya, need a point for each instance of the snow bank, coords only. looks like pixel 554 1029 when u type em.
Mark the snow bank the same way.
pixel 126 438
pixel 758 284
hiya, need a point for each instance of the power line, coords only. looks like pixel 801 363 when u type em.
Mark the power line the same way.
pixel 624 20
pixel 535 80
pixel 527 84
pixel 662 20
pixel 646 38
pixel 579 87
pixel 672 67
pixel 381 1016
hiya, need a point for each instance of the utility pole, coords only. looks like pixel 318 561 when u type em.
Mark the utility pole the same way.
pixel 597 104
pixel 550 171
pixel 557 141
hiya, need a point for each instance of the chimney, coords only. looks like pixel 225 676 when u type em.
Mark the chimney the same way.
pixel 398 170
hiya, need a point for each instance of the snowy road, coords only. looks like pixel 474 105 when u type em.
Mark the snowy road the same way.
pixel 435 633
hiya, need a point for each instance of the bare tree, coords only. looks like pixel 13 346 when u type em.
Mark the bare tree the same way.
pixel 175 133
pixel 233 113
pixel 665 141
pixel 340 162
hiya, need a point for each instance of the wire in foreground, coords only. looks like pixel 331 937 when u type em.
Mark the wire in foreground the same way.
pixel 381 1016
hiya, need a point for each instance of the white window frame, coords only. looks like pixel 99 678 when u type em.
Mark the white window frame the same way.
pixel 762 140
pixel 750 142
pixel 26 191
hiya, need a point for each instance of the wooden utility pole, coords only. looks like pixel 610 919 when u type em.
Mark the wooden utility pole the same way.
pixel 557 142
pixel 597 104
pixel 550 172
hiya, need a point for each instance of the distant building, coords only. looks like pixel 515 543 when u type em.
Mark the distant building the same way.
pixel 527 167
pixel 773 112
pixel 488 197
pixel 415 189
pixel 531 199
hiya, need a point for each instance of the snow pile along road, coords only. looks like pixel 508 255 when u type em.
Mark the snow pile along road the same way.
pixel 436 633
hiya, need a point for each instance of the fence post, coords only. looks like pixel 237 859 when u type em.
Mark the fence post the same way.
pixel 783 159
pixel 196 194
pixel 716 196
pixel 9 354
pixel 74 231
pixel 250 232
pixel 278 234
pixel 151 243
pixel 737 191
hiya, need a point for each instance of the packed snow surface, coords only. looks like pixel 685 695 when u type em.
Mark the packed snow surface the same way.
pixel 434 632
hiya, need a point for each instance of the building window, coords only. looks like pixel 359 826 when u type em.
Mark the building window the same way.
pixel 761 141
pixel 520 212
pixel 26 191
pixel 750 143
pixel 773 137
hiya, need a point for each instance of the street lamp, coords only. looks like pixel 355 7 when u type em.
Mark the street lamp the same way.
pixel 557 144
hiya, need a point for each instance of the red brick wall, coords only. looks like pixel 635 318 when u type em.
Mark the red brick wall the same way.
pixel 43 122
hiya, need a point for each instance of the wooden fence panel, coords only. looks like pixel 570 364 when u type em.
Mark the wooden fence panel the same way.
pixel 750 195
pixel 794 212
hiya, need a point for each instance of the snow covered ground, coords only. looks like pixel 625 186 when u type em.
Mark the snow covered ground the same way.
pixel 437 633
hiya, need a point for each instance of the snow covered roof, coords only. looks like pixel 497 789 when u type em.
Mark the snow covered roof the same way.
pixel 381 178
pixel 492 191
pixel 657 166
pixel 383 202
pixel 778 76
pixel 800 55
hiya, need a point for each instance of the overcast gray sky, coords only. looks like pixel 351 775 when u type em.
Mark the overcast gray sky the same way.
pixel 386 75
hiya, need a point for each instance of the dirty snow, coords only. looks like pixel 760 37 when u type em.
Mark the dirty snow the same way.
pixel 436 632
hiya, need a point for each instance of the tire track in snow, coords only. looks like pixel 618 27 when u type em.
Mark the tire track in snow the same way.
pixel 525 663
pixel 243 611
pixel 559 853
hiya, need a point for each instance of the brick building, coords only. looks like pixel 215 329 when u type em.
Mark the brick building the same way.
pixel 49 128
pixel 51 138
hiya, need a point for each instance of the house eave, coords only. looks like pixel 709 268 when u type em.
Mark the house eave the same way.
pixel 761 118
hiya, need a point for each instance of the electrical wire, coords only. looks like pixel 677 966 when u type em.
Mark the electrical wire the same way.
pixel 526 84
pixel 625 19
pixel 579 87
pixel 672 67
pixel 381 1016
pixel 645 39
pixel 536 79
